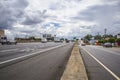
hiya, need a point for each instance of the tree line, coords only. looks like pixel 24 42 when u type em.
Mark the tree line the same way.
pixel 101 38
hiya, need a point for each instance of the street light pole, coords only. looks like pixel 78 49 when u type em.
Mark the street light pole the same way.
pixel 105 32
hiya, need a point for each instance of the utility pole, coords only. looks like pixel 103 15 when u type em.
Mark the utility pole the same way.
pixel 98 33
pixel 98 36
pixel 105 32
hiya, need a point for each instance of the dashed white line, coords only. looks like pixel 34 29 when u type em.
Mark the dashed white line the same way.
pixel 8 50
pixel 27 50
pixel 113 74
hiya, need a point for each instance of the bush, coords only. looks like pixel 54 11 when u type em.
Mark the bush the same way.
pixel 118 40
pixel 103 41
pixel 111 40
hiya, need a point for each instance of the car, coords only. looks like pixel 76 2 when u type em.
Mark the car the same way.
pixel 12 41
pixel 67 41
pixel 44 40
pixel 107 45
pixel 83 44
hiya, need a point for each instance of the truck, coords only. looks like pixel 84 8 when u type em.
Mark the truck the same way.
pixel 6 40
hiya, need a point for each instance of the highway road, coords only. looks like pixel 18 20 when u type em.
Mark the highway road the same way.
pixel 8 52
pixel 101 63
pixel 46 65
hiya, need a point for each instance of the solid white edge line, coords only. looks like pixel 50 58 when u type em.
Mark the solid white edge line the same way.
pixel 31 54
pixel 113 74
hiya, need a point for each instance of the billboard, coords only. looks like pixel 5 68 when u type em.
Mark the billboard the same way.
pixel 47 35
pixel 118 36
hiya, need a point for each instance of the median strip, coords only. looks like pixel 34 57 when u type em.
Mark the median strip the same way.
pixel 75 69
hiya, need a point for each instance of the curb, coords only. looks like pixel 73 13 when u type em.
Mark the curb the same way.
pixel 75 69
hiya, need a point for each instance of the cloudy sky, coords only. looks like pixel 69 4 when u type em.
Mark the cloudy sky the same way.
pixel 64 18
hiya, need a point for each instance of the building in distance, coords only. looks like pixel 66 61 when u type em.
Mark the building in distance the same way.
pixel 2 33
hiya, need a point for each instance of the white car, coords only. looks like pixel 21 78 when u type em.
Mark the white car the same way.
pixel 44 40
pixel 12 41
pixel 83 44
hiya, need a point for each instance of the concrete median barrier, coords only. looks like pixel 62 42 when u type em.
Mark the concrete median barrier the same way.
pixel 75 69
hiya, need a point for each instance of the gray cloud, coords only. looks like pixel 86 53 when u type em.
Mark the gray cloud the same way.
pixel 74 0
pixel 104 15
pixel 17 11
pixel 10 12
pixel 61 6
pixel 98 12
pixel 34 17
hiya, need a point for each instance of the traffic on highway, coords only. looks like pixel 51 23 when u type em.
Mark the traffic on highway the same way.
pixel 101 63
pixel 30 61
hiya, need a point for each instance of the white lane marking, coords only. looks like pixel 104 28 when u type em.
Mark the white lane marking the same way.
pixel 7 61
pixel 8 50
pixel 113 74
pixel 112 52
pixel 27 50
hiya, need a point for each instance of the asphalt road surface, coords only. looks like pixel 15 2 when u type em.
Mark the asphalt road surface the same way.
pixel 48 65
pixel 101 63
pixel 8 52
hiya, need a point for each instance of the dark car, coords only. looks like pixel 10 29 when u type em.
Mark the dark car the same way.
pixel 107 45
pixel 67 41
